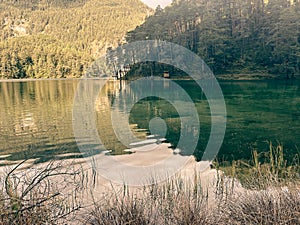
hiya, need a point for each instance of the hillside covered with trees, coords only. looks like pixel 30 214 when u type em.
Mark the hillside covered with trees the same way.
pixel 232 36
pixel 60 38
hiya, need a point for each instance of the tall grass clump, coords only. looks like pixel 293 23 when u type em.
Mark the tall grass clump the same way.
pixel 266 169
pixel 35 196
pixel 271 193
pixel 273 207
pixel 176 201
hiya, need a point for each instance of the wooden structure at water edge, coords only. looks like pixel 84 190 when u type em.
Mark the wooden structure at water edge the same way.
pixel 120 73
pixel 166 74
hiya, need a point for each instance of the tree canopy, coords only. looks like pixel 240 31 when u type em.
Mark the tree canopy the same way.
pixel 232 36
pixel 60 38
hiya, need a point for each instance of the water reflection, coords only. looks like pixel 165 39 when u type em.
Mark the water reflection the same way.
pixel 153 107
pixel 36 118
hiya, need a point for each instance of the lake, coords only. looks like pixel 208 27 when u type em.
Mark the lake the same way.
pixel 36 118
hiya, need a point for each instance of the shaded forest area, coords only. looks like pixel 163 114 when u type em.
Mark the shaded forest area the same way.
pixel 60 38
pixel 232 36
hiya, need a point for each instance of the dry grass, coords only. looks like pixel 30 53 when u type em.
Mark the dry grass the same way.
pixel 161 205
pixel 274 171
pixel 272 197
pixel 174 202
pixel 273 206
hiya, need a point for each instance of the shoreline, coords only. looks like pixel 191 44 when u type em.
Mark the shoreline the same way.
pixel 252 77
pixel 37 79
pixel 220 77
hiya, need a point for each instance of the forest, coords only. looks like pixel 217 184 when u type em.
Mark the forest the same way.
pixel 60 38
pixel 232 36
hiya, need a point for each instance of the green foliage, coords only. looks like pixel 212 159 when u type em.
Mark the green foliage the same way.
pixel 232 36
pixel 61 38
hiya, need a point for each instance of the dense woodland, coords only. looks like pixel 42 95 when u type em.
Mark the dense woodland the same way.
pixel 60 38
pixel 232 36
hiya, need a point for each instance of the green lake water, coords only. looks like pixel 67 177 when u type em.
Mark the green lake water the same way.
pixel 36 118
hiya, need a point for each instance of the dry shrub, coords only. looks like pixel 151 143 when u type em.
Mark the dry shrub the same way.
pixel 38 196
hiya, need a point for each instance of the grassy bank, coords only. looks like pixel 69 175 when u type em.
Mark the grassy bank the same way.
pixel 164 205
pixel 243 193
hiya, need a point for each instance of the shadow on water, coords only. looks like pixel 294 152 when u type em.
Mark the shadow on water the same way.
pixel 259 112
